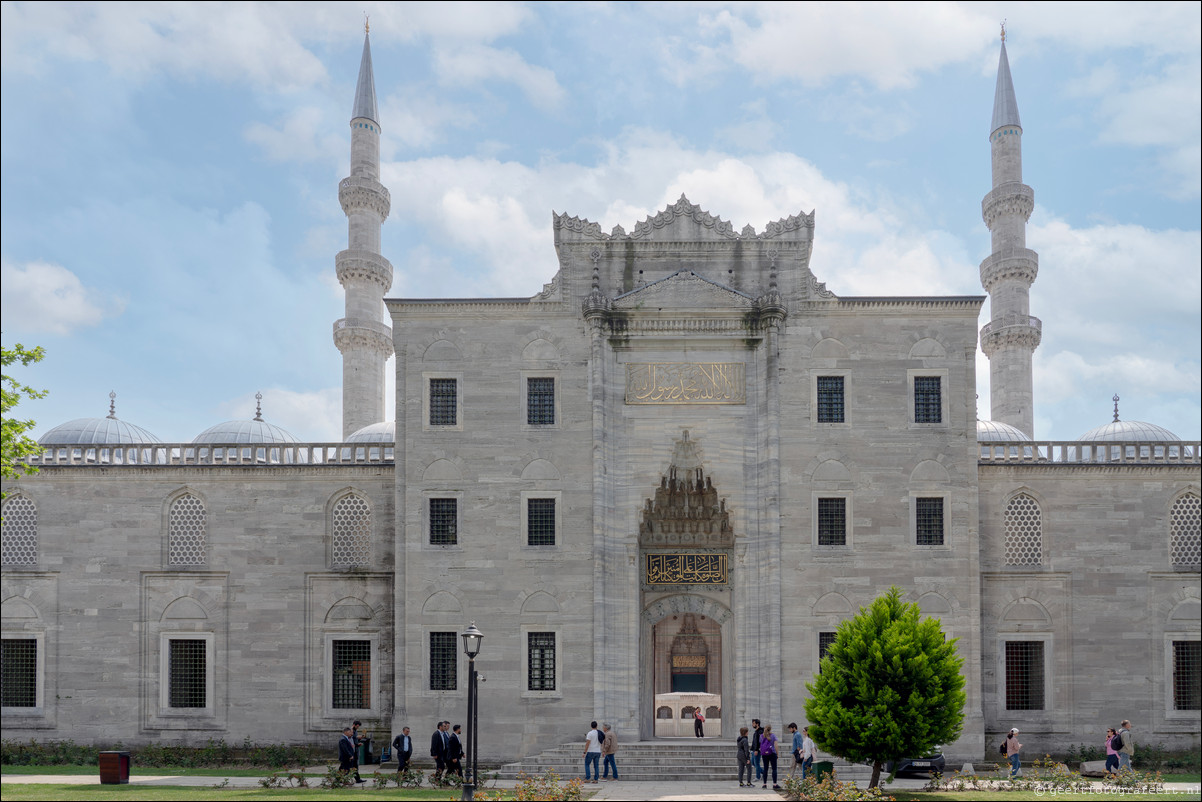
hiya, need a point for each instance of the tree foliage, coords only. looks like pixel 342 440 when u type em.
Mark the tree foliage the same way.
pixel 890 687
pixel 16 445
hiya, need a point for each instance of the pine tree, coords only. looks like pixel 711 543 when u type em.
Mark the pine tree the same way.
pixel 889 687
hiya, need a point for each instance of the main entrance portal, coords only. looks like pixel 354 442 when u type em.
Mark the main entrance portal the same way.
pixel 688 674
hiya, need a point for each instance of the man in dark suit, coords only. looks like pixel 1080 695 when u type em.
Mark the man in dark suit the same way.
pixel 455 753
pixel 403 746
pixel 346 751
pixel 438 751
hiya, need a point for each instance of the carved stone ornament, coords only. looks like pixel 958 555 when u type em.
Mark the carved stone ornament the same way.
pixel 817 289
pixel 358 193
pixel 1009 198
pixel 685 510
pixel 552 291
pixel 684 289
pixel 1020 264
pixel 1015 335
pixel 352 265
pixel 794 222
pixel 349 334
pixel 680 210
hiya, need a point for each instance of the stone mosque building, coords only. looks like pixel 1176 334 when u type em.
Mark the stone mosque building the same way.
pixel 662 482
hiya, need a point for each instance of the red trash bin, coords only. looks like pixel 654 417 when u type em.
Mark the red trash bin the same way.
pixel 114 767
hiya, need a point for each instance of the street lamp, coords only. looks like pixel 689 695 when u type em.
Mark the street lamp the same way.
pixel 472 638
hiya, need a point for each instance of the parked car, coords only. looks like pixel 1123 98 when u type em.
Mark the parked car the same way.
pixel 933 763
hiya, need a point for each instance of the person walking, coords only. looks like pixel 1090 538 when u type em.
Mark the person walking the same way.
pixel 756 732
pixel 403 746
pixel 357 739
pixel 743 756
pixel 455 753
pixel 1128 749
pixel 1013 747
pixel 698 723
pixel 808 750
pixel 346 752
pixel 1112 754
pixel 796 750
pixel 438 751
pixel 592 753
pixel 768 755
pixel 609 748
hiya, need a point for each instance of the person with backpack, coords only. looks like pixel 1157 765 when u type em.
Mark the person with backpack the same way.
pixel 592 753
pixel 1112 751
pixel 1012 747
pixel 768 756
pixel 1127 745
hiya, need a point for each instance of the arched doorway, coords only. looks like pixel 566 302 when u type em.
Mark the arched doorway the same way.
pixel 686 650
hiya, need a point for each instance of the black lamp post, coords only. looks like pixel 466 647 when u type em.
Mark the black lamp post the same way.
pixel 471 647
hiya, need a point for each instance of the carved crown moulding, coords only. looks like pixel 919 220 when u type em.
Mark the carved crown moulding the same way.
pixel 1020 264
pixel 1008 199
pixel 365 265
pixel 1022 336
pixel 363 335
pixel 358 193
pixel 684 211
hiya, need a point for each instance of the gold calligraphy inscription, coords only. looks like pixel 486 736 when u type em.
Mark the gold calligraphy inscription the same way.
pixel 686 569
pixel 688 661
pixel 686 383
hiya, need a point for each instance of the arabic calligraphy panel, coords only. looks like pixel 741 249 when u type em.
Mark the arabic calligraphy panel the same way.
pixel 686 569
pixel 686 383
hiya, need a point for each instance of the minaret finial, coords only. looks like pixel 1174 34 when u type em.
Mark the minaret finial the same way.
pixel 1116 407
pixel 113 404
pixel 1003 31
pixel 259 407
pixel 367 25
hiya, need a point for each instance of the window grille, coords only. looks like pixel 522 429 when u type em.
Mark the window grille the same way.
pixel 352 674
pixel 444 521
pixel 928 400
pixel 186 531
pixel 351 525
pixel 19 669
pixel 186 673
pixel 19 535
pixel 540 522
pixel 928 517
pixel 1024 531
pixel 541 673
pixel 444 402
pixel 1187 675
pixel 832 522
pixel 825 641
pixel 540 402
pixel 830 399
pixel 444 658
pixel 1024 675
pixel 1185 530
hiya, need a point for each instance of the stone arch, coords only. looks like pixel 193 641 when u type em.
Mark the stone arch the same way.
pixel 540 601
pixel 442 602
pixel 541 470
pixel 185 608
pixel 831 470
pixel 686 603
pixel 349 609
pixel 829 348
pixel 1186 614
pixel 442 351
pixel 17 609
pixel 933 604
pixel 928 348
pixel 1026 613
pixel 540 350
pixel 929 472
pixel 832 603
pixel 442 470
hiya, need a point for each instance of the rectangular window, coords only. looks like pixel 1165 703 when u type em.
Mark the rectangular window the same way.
pixel 928 520
pixel 540 522
pixel 444 658
pixel 1187 675
pixel 352 674
pixel 444 401
pixel 830 399
pixel 540 402
pixel 542 661
pixel 444 521
pixel 825 641
pixel 928 399
pixel 19 668
pixel 832 522
pixel 187 681
pixel 1024 675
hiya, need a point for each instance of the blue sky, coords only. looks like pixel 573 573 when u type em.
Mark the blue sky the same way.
pixel 170 212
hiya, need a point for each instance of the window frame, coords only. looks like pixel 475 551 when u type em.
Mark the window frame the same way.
pixel 525 497
pixel 1046 639
pixel 428 667
pixel 165 708
pixel 427 378
pixel 915 495
pixel 429 496
pixel 524 378
pixel 815 376
pixel 912 399
pixel 37 535
pixel 848 527
pixel 524 633
pixel 11 713
pixel 327 699
pixel 1170 711
pixel 818 653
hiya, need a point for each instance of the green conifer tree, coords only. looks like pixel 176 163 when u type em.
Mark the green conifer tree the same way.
pixel 889 687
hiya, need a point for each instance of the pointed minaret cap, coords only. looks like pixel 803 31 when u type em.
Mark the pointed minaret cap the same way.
pixel 1005 106
pixel 365 90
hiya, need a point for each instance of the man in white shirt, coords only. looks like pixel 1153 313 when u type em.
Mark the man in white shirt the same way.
pixel 592 753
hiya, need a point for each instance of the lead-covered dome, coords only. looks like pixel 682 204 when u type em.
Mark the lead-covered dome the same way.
pixel 107 431
pixel 375 433
pixel 992 431
pixel 252 431
pixel 1128 431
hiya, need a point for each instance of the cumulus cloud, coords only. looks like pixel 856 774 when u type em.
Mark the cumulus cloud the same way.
pixel 466 65
pixel 304 135
pixel 45 297
pixel 314 416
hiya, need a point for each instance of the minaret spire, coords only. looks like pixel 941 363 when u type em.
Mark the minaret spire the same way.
pixel 1012 335
pixel 362 336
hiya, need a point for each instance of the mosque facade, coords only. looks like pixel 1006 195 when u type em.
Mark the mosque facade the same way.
pixel 659 484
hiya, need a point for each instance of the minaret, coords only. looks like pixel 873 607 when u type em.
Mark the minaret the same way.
pixel 1012 335
pixel 362 336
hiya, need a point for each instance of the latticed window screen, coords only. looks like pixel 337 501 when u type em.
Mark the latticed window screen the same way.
pixel 351 526
pixel 1024 531
pixel 825 641
pixel 444 402
pixel 830 399
pixel 444 521
pixel 186 673
pixel 1185 530
pixel 928 399
pixel 352 674
pixel 186 531
pixel 1187 675
pixel 540 522
pixel 928 520
pixel 540 402
pixel 444 663
pixel 541 674
pixel 19 536
pixel 1024 675
pixel 19 669
pixel 832 522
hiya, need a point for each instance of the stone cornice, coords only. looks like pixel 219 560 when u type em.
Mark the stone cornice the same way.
pixel 365 265
pixel 1010 198
pixel 359 193
pixel 967 302
pixel 1018 264
pixel 683 209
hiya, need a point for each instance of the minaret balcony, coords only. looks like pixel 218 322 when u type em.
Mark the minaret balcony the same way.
pixel 1009 198
pixel 1012 264
pixel 356 333
pixel 360 265
pixel 1011 331
pixel 360 193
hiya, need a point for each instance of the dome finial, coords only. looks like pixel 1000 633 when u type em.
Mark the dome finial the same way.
pixel 113 404
pixel 259 407
pixel 1116 407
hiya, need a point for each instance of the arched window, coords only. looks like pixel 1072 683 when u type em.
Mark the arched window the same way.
pixel 186 526
pixel 1024 531
pixel 19 541
pixel 1185 530
pixel 351 531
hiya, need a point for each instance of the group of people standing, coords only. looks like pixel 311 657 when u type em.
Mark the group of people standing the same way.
pixel 760 751
pixel 598 744
pixel 348 749
pixel 1119 746
pixel 447 750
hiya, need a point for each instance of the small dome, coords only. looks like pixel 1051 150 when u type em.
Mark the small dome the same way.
pixel 253 431
pixel 375 433
pixel 992 431
pixel 1129 431
pixel 98 431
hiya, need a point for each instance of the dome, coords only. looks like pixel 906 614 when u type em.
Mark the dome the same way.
pixel 991 431
pixel 252 431
pixel 1128 431
pixel 98 431
pixel 375 433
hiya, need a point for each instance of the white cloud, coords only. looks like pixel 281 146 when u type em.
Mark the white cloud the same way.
pixel 302 136
pixel 44 297
pixel 313 417
pixel 466 65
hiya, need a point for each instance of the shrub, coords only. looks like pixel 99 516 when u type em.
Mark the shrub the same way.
pixel 547 787
pixel 830 788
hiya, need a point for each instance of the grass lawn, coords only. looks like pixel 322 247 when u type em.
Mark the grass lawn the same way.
pixel 171 771
pixel 947 796
pixel 13 792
